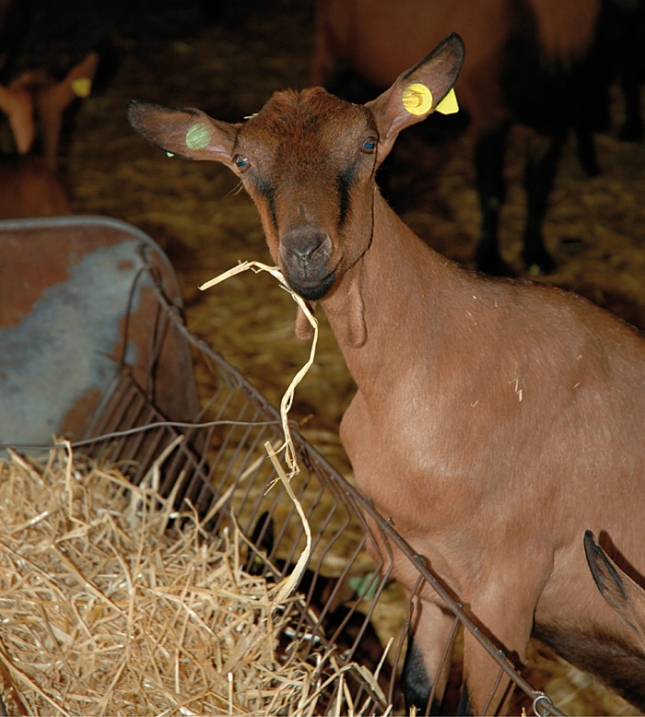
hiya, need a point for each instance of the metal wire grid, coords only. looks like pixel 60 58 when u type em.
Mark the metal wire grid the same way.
pixel 220 458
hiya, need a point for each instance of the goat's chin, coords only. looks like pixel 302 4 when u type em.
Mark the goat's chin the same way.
pixel 316 292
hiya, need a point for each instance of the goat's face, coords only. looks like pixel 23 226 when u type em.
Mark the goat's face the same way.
pixel 308 161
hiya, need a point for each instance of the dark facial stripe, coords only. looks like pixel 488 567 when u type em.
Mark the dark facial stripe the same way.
pixel 344 182
pixel 268 192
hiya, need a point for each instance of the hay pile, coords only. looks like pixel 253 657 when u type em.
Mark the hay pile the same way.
pixel 106 610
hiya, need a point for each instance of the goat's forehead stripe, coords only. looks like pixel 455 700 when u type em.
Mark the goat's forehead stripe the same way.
pixel 267 190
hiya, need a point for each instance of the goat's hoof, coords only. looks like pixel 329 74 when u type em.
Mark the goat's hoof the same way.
pixel 538 262
pixel 590 166
pixel 493 265
pixel 632 131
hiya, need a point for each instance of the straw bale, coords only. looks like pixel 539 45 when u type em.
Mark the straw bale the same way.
pixel 111 603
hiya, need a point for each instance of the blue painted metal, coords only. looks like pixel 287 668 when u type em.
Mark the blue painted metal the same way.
pixel 70 288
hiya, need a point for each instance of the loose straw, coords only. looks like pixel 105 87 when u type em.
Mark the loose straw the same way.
pixel 287 399
pixel 285 404
pixel 287 588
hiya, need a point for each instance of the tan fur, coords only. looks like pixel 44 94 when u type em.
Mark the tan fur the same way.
pixel 303 329
pixel 356 329
pixel 619 590
pixel 381 39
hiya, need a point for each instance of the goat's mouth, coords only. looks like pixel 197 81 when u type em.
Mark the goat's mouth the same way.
pixel 311 291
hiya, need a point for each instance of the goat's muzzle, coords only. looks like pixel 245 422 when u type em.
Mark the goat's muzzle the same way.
pixel 305 253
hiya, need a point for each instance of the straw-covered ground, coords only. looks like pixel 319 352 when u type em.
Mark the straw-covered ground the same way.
pixel 227 60
pixel 105 611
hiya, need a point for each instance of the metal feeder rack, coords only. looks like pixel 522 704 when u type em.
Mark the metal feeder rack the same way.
pixel 217 456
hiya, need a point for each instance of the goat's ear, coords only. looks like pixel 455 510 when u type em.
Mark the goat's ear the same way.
pixel 624 595
pixel 189 133
pixel 417 92
pixel 603 572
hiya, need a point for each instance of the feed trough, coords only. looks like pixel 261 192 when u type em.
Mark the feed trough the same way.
pixel 134 406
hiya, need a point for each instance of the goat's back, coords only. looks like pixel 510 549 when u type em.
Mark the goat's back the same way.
pixel 29 187
pixel 380 39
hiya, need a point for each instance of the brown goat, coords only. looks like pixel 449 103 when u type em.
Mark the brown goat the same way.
pixel 29 187
pixel 533 62
pixel 30 184
pixel 493 422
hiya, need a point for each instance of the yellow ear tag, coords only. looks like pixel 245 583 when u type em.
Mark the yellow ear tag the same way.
pixel 82 86
pixel 449 104
pixel 417 99
pixel 198 136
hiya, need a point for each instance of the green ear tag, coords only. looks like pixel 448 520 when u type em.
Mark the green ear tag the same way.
pixel 198 136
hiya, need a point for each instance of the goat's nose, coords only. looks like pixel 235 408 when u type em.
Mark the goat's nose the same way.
pixel 305 253
pixel 305 244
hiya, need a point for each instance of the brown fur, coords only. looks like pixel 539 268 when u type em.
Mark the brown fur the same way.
pixel 533 63
pixel 29 187
pixel 380 39
pixel 493 422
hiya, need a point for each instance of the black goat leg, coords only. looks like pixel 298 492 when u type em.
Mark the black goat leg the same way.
pixel 491 190
pixel 538 181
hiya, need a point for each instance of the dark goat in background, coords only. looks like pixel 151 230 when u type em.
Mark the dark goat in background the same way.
pixel 34 103
pixel 39 105
pixel 545 64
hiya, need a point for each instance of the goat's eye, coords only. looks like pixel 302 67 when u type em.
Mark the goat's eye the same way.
pixel 242 163
pixel 368 146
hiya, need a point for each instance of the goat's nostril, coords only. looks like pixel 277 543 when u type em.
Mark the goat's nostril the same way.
pixel 304 253
pixel 304 244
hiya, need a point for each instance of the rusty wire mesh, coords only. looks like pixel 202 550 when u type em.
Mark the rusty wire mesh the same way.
pixel 219 459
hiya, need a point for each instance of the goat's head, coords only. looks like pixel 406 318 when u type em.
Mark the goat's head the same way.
pixel 308 161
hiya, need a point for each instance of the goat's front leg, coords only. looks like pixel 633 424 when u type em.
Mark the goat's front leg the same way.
pixel 490 151
pixel 539 175
pixel 426 666
pixel 633 129
pixel 510 624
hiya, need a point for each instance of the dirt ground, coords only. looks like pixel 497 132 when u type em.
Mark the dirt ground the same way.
pixel 227 59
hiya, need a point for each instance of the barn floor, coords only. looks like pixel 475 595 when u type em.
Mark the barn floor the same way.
pixel 227 59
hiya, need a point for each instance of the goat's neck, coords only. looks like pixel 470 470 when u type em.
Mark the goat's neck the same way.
pixel 398 280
